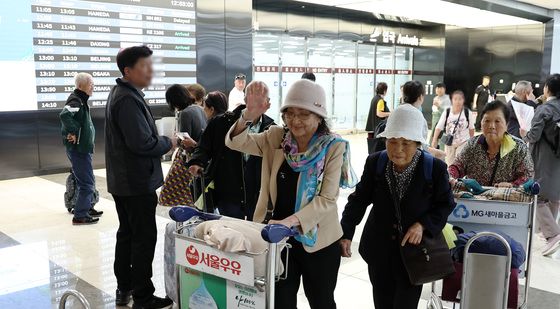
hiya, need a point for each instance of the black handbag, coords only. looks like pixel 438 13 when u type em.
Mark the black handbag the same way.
pixel 430 260
pixel 447 139
pixel 375 143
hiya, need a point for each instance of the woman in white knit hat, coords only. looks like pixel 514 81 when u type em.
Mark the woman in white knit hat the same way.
pixel 303 167
pixel 397 178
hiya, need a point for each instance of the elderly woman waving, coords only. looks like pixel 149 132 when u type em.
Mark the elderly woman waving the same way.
pixel 411 198
pixel 303 167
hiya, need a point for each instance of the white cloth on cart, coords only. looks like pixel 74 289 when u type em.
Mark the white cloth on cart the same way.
pixel 239 237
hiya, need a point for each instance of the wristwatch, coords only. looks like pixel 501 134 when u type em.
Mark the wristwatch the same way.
pixel 248 123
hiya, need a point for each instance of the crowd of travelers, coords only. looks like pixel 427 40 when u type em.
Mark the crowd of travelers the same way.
pixel 291 173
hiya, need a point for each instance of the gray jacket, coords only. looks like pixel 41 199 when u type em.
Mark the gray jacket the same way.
pixel 133 147
pixel 547 166
pixel 193 121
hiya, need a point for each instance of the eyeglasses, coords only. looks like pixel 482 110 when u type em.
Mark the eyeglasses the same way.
pixel 288 116
pixel 240 76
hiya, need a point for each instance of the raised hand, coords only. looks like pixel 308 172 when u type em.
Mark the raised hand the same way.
pixel 257 100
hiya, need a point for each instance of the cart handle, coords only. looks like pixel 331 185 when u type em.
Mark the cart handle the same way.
pixel 274 233
pixel 530 186
pixel 184 213
pixel 466 259
pixel 78 295
pixel 535 188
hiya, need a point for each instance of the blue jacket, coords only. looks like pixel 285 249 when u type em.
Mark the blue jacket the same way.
pixel 489 245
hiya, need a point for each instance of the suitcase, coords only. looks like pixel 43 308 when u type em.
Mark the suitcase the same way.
pixel 71 194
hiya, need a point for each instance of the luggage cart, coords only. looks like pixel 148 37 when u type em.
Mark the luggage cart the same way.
pixel 232 274
pixel 515 219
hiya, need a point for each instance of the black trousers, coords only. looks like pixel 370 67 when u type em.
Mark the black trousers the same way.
pixel 391 287
pixel 319 271
pixel 136 243
pixel 478 123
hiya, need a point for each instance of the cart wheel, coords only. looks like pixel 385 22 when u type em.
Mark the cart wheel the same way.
pixel 70 210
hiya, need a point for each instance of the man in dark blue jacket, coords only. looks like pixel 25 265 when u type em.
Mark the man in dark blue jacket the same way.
pixel 78 135
pixel 133 150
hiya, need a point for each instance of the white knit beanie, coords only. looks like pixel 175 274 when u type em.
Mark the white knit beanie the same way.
pixel 405 122
pixel 307 95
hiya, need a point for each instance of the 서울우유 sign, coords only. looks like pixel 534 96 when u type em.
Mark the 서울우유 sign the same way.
pixel 235 267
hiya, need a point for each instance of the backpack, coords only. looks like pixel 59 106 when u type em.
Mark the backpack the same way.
pixel 554 141
pixel 447 112
pixel 377 144
pixel 428 164
pixel 71 194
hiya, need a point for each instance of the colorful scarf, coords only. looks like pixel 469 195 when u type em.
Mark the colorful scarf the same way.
pixel 310 165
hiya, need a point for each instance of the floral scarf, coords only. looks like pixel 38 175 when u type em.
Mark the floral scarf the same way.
pixel 310 165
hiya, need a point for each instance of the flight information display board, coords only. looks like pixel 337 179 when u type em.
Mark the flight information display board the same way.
pixel 71 36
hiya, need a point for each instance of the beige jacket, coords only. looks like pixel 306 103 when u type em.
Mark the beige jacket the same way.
pixel 322 210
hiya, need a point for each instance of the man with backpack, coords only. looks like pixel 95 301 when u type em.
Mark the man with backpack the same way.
pixel 544 140
pixel 78 136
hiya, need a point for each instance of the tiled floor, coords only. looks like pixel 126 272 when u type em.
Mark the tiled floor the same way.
pixel 42 254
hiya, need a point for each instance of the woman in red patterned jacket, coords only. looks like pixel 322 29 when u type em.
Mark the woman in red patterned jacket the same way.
pixel 494 158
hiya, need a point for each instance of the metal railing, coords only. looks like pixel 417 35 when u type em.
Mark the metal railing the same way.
pixel 78 295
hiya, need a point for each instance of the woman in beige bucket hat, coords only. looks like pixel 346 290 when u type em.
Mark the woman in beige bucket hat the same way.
pixel 303 167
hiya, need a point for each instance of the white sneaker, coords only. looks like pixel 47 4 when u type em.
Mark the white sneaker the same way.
pixel 552 245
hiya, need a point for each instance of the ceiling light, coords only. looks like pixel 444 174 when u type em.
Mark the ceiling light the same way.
pixel 447 13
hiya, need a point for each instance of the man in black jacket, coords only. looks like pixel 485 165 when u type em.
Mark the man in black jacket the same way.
pixel 236 176
pixel 132 152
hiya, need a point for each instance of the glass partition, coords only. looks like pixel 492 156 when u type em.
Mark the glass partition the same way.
pixel 384 61
pixel 266 68
pixel 348 71
pixel 344 84
pixel 293 56
pixel 320 62
pixel 403 69
pixel 365 83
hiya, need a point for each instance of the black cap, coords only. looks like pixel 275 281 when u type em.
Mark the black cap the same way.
pixel 240 76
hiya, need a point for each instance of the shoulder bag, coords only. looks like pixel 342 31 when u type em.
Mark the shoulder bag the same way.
pixel 447 139
pixel 431 259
